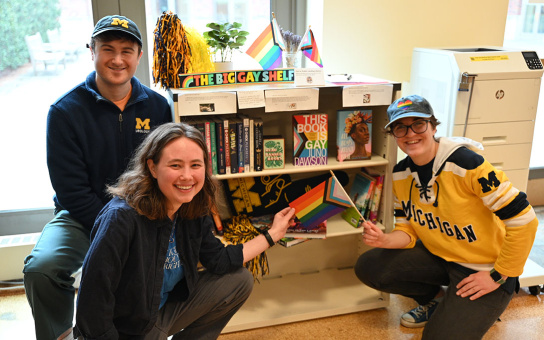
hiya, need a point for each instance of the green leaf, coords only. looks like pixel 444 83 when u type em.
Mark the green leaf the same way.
pixel 225 38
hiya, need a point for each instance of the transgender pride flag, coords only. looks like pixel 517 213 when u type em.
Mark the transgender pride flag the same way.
pixel 325 200
pixel 266 49
pixel 309 48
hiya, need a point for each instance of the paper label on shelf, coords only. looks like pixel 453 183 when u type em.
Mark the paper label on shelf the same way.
pixel 309 77
pixel 250 99
pixel 206 103
pixel 291 100
pixel 367 95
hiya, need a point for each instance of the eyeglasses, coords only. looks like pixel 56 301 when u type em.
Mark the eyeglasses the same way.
pixel 401 130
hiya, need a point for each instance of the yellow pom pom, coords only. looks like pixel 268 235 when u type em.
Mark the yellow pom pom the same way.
pixel 201 56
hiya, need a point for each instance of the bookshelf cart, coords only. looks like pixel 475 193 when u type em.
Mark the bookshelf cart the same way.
pixel 313 279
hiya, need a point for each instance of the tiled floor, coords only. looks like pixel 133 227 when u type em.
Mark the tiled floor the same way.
pixel 523 319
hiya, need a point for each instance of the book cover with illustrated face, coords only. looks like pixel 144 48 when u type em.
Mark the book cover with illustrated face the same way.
pixel 354 135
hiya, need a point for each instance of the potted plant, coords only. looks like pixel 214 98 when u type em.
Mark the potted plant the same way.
pixel 224 39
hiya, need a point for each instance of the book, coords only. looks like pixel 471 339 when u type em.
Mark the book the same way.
pixel 220 148
pixel 273 152
pixel 360 193
pixel 240 144
pixel 375 201
pixel 226 138
pixel 210 125
pixel 310 139
pixel 258 148
pixel 245 141
pixel 233 146
pixel 264 222
pixel 353 135
pixel 203 125
pixel 299 231
pixel 251 145
pixel 291 241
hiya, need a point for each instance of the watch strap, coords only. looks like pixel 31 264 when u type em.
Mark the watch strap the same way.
pixel 496 276
pixel 268 238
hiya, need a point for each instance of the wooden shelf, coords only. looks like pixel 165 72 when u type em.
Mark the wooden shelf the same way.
pixel 297 297
pixel 333 164
pixel 337 226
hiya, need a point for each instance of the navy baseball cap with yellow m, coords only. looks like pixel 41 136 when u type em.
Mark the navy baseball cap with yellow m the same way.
pixel 409 106
pixel 117 23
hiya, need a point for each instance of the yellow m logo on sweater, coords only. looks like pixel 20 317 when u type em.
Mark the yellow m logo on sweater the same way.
pixel 142 125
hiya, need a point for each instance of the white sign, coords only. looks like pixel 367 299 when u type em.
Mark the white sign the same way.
pixel 309 77
pixel 291 100
pixel 191 104
pixel 367 95
pixel 250 99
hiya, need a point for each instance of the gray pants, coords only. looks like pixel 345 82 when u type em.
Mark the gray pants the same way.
pixel 418 274
pixel 207 311
pixel 48 271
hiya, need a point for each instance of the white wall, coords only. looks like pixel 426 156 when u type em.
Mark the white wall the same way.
pixel 376 37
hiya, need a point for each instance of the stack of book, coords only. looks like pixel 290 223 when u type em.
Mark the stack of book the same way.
pixel 366 192
pixel 235 143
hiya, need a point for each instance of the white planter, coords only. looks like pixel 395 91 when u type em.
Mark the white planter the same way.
pixel 224 66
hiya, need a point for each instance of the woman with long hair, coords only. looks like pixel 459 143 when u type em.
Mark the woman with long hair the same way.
pixel 140 277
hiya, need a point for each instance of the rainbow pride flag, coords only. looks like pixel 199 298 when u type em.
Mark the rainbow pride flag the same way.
pixel 267 48
pixel 320 203
pixel 309 48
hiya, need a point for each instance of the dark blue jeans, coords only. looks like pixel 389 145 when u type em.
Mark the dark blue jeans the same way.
pixel 418 274
pixel 48 271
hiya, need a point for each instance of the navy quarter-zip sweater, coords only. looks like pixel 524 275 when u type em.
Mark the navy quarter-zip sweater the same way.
pixel 90 142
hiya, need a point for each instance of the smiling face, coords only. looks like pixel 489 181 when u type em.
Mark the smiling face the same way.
pixel 422 147
pixel 360 134
pixel 180 172
pixel 115 62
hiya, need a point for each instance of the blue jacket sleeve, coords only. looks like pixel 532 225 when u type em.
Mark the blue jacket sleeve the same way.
pixel 214 255
pixel 68 171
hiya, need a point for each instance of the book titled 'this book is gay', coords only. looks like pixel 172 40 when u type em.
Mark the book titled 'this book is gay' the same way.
pixel 310 139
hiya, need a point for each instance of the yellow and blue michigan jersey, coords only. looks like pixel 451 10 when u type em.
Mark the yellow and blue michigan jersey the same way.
pixel 469 212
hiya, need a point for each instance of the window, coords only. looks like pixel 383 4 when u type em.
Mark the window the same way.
pixel 28 87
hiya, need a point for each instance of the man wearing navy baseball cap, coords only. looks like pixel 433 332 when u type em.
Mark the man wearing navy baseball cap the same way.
pixel 117 23
pixel 462 231
pixel 92 131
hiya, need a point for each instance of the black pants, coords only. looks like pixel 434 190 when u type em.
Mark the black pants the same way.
pixel 418 274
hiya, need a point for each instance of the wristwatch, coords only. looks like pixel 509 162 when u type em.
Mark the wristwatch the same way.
pixel 496 276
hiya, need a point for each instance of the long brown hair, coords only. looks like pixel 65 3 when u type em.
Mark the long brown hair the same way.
pixel 140 189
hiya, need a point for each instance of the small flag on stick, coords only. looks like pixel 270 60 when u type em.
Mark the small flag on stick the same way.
pixel 267 48
pixel 322 202
pixel 308 46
